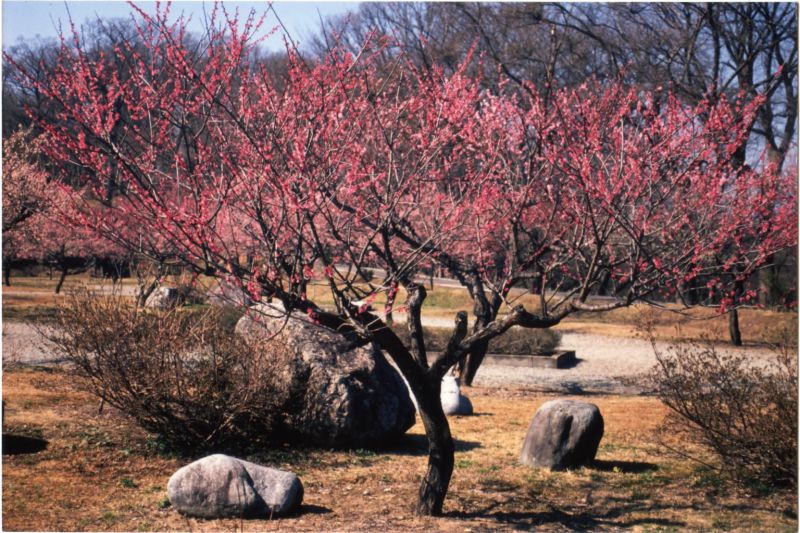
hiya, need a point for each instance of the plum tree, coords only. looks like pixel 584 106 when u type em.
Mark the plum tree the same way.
pixel 349 164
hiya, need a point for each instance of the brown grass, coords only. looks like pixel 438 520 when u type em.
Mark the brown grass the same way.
pixel 100 473
pixel 32 298
pixel 671 322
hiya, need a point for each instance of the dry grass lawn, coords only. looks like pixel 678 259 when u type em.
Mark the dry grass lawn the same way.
pixel 98 472
pixel 33 298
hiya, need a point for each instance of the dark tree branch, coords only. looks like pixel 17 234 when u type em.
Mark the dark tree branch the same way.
pixel 416 296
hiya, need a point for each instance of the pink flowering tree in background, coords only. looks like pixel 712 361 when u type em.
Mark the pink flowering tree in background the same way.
pixel 40 226
pixel 24 180
pixel 24 195
pixel 344 166
pixel 57 238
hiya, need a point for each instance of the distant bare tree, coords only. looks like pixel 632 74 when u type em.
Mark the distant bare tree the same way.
pixel 699 50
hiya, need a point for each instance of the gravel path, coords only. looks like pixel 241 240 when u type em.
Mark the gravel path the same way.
pixel 605 364
pixel 602 365
pixel 22 343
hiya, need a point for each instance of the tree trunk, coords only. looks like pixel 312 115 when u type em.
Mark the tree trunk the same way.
pixel 425 383
pixel 61 279
pixel 733 327
pixel 469 366
pixel 441 450
pixel 145 291
pixel 147 286
pixel 733 317
pixel 7 275
pixel 485 312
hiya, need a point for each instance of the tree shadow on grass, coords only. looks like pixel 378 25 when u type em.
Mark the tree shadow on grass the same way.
pixel 625 467
pixel 20 444
pixel 573 520
pixel 709 505
pixel 313 509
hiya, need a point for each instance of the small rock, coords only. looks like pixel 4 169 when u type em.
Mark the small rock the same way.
pixel 453 402
pixel 164 298
pixel 563 434
pixel 220 486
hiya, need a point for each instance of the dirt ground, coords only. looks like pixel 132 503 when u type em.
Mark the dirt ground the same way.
pixel 98 472
pixel 82 468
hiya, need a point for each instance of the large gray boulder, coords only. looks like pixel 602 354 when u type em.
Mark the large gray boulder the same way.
pixel 220 486
pixel 346 393
pixel 563 434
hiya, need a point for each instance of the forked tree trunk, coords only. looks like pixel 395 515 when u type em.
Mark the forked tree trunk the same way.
pixel 146 286
pixel 441 450
pixel 485 312
pixel 425 383
pixel 145 290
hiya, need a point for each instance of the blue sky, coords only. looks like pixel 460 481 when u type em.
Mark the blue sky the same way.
pixel 24 19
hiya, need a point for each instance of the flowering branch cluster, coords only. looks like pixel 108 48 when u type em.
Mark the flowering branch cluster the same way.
pixel 350 163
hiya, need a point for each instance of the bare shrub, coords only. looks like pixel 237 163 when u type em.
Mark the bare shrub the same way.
pixel 188 291
pixel 743 409
pixel 149 275
pixel 180 375
pixel 513 341
pixel 526 341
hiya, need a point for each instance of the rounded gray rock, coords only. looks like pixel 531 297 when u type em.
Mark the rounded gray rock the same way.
pixel 563 434
pixel 453 402
pixel 220 486
pixel 164 298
